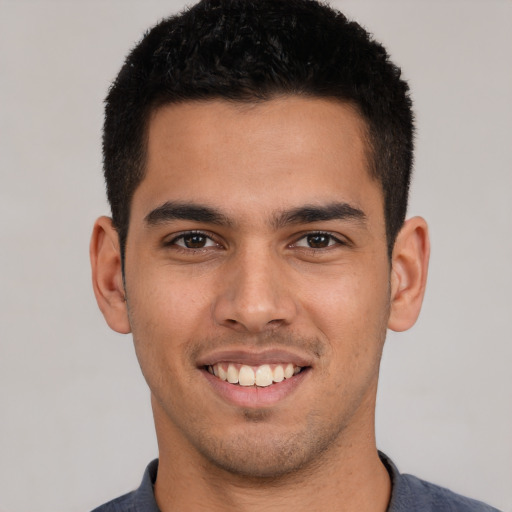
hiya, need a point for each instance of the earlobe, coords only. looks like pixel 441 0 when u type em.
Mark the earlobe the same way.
pixel 409 273
pixel 107 277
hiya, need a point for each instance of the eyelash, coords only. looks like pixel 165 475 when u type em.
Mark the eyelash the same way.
pixel 337 242
pixel 330 236
pixel 174 242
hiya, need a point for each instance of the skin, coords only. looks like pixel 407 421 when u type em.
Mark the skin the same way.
pixel 258 279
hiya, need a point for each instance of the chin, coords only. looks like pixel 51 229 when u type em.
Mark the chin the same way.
pixel 260 455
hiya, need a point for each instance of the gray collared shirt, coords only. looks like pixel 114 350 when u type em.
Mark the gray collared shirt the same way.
pixel 409 494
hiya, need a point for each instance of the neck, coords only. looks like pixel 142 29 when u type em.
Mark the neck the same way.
pixel 348 476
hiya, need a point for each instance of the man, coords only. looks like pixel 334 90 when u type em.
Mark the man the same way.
pixel 257 158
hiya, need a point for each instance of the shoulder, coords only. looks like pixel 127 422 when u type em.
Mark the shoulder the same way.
pixel 411 494
pixel 421 495
pixel 140 500
pixel 125 503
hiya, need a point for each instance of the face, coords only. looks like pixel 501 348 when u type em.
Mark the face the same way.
pixel 257 253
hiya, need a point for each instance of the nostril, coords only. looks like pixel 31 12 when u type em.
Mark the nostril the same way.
pixel 254 326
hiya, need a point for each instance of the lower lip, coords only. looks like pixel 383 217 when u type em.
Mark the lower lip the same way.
pixel 253 396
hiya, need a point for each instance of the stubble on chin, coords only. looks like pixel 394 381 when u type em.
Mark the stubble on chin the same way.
pixel 262 454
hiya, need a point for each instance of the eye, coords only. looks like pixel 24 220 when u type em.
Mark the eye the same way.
pixel 193 240
pixel 317 241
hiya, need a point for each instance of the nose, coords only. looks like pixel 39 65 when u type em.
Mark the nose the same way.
pixel 254 294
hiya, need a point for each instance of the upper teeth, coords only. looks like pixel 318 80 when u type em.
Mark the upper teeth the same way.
pixel 244 375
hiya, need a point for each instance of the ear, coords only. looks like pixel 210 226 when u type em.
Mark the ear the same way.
pixel 409 267
pixel 107 276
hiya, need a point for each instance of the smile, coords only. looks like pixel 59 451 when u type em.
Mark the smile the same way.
pixel 255 379
pixel 260 376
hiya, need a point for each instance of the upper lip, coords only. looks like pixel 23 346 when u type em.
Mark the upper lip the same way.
pixel 254 358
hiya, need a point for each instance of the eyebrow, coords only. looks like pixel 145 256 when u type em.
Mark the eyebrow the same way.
pixel 312 213
pixel 307 214
pixel 185 211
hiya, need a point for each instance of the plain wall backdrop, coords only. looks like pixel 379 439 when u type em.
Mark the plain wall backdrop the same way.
pixel 75 421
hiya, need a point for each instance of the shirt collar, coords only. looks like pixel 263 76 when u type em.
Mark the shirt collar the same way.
pixel 145 497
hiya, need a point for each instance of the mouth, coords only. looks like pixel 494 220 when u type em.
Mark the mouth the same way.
pixel 260 376
pixel 249 379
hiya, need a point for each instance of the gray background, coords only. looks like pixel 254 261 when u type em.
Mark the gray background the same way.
pixel 75 421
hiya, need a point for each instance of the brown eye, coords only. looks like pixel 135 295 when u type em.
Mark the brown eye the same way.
pixel 194 241
pixel 318 241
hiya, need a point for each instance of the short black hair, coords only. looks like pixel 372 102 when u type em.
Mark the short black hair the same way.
pixel 256 50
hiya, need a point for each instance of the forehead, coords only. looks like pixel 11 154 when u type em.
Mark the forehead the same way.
pixel 252 157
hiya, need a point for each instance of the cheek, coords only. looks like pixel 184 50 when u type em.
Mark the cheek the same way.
pixel 162 298
pixel 349 298
pixel 166 313
pixel 351 311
